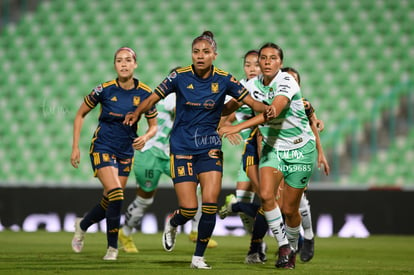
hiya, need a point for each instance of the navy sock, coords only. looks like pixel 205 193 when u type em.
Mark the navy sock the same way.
pixel 96 214
pixel 205 227
pixel 260 229
pixel 113 216
pixel 249 209
pixel 182 216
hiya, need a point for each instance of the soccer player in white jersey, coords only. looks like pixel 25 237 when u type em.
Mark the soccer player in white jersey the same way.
pixel 288 150
pixel 317 125
pixel 246 184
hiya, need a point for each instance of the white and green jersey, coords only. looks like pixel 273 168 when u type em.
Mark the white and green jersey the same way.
pixel 165 120
pixel 290 130
pixel 244 113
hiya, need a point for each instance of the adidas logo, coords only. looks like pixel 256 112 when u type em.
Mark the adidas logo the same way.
pixel 190 87
pixel 114 99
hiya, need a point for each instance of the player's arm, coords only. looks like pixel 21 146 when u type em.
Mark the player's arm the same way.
pixel 278 104
pixel 140 141
pixel 77 127
pixel 234 139
pixel 230 107
pixel 145 105
pixel 322 161
pixel 257 106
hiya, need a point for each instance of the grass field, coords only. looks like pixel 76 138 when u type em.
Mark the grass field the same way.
pixel 50 253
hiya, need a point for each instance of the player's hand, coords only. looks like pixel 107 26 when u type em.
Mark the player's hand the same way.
pixel 323 162
pixel 269 113
pixel 75 157
pixel 227 130
pixel 319 125
pixel 130 119
pixel 139 143
pixel 234 139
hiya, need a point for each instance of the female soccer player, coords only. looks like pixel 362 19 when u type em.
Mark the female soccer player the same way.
pixel 288 151
pixel 317 125
pixel 195 145
pixel 112 148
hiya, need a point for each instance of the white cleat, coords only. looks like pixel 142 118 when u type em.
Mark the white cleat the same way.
pixel 77 241
pixel 168 237
pixel 198 263
pixel 111 254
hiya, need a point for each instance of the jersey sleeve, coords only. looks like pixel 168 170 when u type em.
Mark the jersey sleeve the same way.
pixel 152 112
pixel 95 96
pixel 287 87
pixel 166 86
pixel 236 89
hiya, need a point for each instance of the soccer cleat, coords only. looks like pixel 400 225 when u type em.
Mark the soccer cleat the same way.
pixel 248 222
pixel 77 241
pixel 262 252
pixel 307 250
pixel 198 263
pixel 226 208
pixel 212 244
pixel 111 254
pixel 300 243
pixel 168 237
pixel 253 258
pixel 283 256
pixel 127 243
pixel 193 237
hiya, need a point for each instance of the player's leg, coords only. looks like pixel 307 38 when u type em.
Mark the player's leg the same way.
pixel 147 175
pixel 195 221
pixel 269 176
pixel 307 250
pixel 185 185
pixel 113 187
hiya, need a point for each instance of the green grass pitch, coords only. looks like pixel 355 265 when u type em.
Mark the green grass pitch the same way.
pixel 50 253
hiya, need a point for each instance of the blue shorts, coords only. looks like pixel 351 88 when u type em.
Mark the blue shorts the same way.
pixel 187 167
pixel 250 155
pixel 100 160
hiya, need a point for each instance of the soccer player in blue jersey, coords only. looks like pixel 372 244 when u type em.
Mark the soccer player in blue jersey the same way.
pixel 195 145
pixel 112 147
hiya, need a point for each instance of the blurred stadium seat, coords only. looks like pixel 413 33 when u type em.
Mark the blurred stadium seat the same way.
pixel 349 53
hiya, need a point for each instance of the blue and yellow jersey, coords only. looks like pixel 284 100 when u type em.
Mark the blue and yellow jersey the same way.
pixel 199 105
pixel 111 135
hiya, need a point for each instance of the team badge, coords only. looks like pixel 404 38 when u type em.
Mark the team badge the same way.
pixel 181 171
pixel 214 87
pixel 105 157
pixel 137 100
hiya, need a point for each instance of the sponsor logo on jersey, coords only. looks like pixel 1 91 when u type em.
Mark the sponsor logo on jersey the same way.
pixel 137 100
pixel 215 154
pixel 183 156
pixel 190 87
pixel 209 104
pixel 214 87
pixel 114 98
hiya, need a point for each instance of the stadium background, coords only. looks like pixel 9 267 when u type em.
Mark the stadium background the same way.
pixel 355 59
